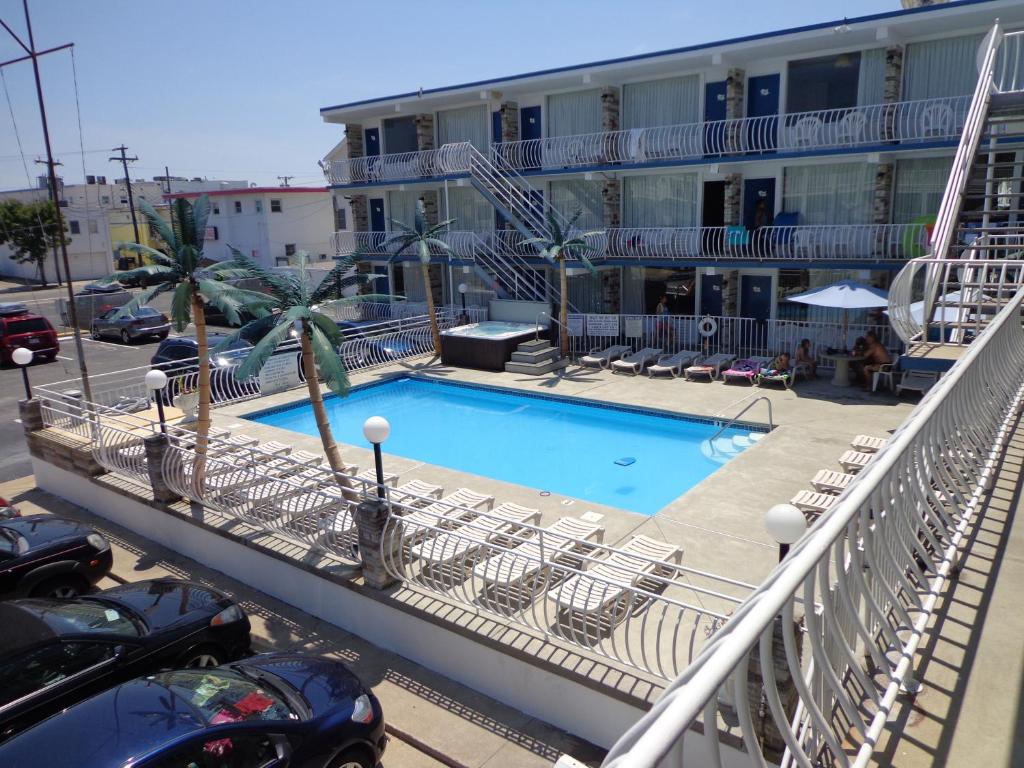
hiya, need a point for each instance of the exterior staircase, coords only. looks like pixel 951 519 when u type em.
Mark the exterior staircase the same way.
pixel 942 301
pixel 535 358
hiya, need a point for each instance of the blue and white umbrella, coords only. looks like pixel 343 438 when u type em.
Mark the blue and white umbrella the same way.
pixel 844 295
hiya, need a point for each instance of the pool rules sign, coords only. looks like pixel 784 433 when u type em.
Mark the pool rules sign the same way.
pixel 279 373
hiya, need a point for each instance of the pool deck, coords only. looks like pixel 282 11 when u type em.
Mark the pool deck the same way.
pixel 718 522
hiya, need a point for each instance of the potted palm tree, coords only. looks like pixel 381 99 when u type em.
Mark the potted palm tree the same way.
pixel 178 270
pixel 421 238
pixel 298 308
pixel 560 246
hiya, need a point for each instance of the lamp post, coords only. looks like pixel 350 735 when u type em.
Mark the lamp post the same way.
pixel 155 381
pixel 22 357
pixel 462 293
pixel 786 524
pixel 376 429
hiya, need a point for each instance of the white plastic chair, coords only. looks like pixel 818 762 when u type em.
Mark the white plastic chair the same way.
pixel 806 132
pixel 937 120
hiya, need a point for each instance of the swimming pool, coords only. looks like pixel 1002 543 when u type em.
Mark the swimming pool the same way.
pixel 561 445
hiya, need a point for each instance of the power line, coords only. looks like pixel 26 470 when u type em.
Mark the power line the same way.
pixel 284 180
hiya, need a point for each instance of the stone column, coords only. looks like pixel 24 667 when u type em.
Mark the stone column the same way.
pixel 881 212
pixel 768 732
pixel 509 111
pixel 31 414
pixel 354 140
pixel 733 198
pixel 360 213
pixel 610 116
pixel 735 87
pixel 156 448
pixel 893 89
pixel 730 292
pixel 429 198
pixel 611 198
pixel 424 131
pixel 371 517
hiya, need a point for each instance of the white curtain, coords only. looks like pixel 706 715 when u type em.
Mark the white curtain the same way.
pixel 668 200
pixel 571 195
pixel 570 114
pixel 401 207
pixel 469 209
pixel 919 188
pixel 672 101
pixel 941 68
pixel 470 124
pixel 871 83
pixel 830 194
pixel 412 277
pixel 633 291
pixel 585 292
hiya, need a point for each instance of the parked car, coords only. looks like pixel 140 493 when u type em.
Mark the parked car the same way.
pixel 8 510
pixel 144 321
pixel 180 354
pixel 47 556
pixel 54 653
pixel 101 286
pixel 144 281
pixel 269 711
pixel 21 328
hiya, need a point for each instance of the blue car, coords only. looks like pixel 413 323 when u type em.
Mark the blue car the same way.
pixel 275 710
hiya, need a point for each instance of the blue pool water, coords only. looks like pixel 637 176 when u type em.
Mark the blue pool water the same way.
pixel 567 447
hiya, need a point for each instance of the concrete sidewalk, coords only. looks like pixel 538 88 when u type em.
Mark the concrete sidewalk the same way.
pixel 435 721
pixel 972 661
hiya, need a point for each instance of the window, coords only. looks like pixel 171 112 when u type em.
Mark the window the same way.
pixel 29 325
pixel 94 228
pixel 289 249
pixel 668 200
pixel 239 750
pixel 124 201
pixel 824 82
pixel 341 219
pixel 259 206
pixel 400 135
pixel 46 666
pixel 238 206
pixel 466 124
pixel 569 114
pixel 76 229
pixel 105 200
pixel 672 101
pixel 275 206
pixel 843 193
pixel 571 195
pixel 281 261
pixel 216 209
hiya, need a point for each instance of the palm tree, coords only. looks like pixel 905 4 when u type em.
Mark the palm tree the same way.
pixel 298 305
pixel 179 271
pixel 422 237
pixel 560 246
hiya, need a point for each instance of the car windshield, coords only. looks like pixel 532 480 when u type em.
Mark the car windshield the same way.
pixel 225 696
pixel 86 617
pixel 11 543
pixel 28 325
pixel 146 312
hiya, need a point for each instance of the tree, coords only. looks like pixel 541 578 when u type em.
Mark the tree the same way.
pixel 179 271
pixel 561 246
pixel 31 232
pixel 299 306
pixel 421 237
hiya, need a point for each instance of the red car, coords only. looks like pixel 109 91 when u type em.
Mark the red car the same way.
pixel 21 328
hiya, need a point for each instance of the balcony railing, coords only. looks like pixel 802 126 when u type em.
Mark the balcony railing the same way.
pixel 463 244
pixel 403 165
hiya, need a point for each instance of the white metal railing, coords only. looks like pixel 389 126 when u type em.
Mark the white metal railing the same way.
pixel 402 165
pixel 739 336
pixel 655 617
pixel 1008 73
pixel 873 569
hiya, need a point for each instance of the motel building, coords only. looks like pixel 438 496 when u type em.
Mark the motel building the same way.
pixel 725 176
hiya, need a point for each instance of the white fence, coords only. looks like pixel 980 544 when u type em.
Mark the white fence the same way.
pixel 869 574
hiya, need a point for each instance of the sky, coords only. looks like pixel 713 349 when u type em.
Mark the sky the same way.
pixel 232 89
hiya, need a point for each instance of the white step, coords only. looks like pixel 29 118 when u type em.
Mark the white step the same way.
pixel 536 369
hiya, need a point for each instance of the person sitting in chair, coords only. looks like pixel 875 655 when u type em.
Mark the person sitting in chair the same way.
pixel 805 358
pixel 875 356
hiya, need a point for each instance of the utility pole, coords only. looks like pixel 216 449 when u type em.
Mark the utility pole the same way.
pixel 170 203
pixel 123 159
pixel 56 261
pixel 284 180
pixel 33 55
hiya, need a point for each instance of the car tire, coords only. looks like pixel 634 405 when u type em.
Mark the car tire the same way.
pixel 125 338
pixel 203 656
pixel 354 757
pixel 61 587
pixel 162 336
pixel 96 335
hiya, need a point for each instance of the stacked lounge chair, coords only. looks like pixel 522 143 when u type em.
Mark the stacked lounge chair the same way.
pixel 710 366
pixel 746 370
pixel 602 358
pixel 635 362
pixel 454 548
pixel 673 364
pixel 868 444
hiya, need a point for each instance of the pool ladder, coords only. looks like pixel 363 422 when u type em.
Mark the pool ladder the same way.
pixel 734 419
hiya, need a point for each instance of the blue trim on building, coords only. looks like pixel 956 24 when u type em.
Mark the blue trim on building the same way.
pixel 670 52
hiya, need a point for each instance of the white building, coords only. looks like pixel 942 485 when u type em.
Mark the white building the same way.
pixel 269 224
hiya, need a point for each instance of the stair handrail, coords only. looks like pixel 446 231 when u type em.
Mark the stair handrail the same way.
pixel 952 198
pixel 506 266
pixel 734 419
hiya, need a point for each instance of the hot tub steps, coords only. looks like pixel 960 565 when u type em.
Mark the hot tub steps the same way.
pixel 535 358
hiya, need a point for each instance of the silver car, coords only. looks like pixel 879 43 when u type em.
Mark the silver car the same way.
pixel 144 321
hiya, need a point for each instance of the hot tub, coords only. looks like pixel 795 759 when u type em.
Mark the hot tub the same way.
pixel 487 345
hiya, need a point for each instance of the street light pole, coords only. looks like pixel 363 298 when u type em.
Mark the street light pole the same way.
pixel 376 430
pixel 22 357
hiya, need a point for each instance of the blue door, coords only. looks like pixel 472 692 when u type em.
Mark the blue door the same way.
pixel 755 302
pixel 714 112
pixel 758 195
pixel 529 123
pixel 378 223
pixel 711 295
pixel 371 142
pixel 496 125
pixel 763 102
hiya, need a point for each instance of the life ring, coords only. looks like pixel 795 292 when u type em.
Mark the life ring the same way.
pixel 707 327
pixel 918 236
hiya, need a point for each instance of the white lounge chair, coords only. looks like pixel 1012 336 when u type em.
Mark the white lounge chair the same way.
pixel 917 381
pixel 449 512
pixel 635 362
pixel 414 492
pixel 608 583
pixel 830 481
pixel 307 503
pixel 563 539
pixel 868 444
pixel 602 358
pixel 673 364
pixel 307 458
pixel 469 538
pixel 710 366
pixel 813 502
pixel 854 461
pixel 274 448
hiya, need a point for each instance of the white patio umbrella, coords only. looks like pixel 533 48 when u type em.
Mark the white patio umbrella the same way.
pixel 844 295
pixel 947 314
